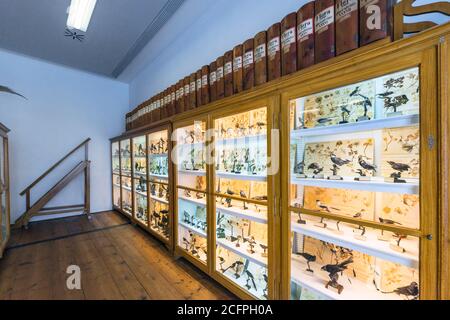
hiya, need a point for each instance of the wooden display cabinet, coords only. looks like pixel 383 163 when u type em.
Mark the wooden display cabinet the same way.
pixel 361 171
pixel 244 175
pixel 5 228
pixel 141 188
pixel 192 221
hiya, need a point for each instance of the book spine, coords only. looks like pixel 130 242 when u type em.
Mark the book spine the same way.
pixel 198 88
pixel 212 81
pixel 193 91
pixel 376 20
pixel 173 99
pixel 260 56
pixel 228 73
pixel 324 30
pixel 237 69
pixel 220 83
pixel 187 89
pixel 273 52
pixel 289 44
pixel 248 65
pixel 305 35
pixel 347 23
pixel 205 85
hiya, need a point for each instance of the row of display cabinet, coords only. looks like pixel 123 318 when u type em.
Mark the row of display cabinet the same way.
pixel 327 191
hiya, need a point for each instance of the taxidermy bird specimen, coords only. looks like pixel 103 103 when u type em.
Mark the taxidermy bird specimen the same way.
pixel 411 290
pixel 388 221
pixel 315 167
pixel 365 165
pixel 243 195
pixel 325 207
pixel 74 35
pixel 250 278
pixel 333 273
pixel 338 161
pixel 8 90
pixel 309 258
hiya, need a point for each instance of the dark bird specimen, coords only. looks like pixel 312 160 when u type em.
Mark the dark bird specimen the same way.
pixel 412 290
pixel 309 258
pixel 243 195
pixel 333 273
pixel 221 262
pixel 237 267
pixel 264 247
pixel 315 167
pixel 384 94
pixel 338 161
pixel 251 278
pixel 323 120
pixel 354 92
pixel 401 167
pixel 325 207
pixel 228 200
pixel 8 90
pixel 366 165
pixel 388 221
pixel 186 243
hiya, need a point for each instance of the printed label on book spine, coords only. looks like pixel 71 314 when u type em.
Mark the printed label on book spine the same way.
pixel 237 63
pixel 192 86
pixel 212 77
pixel 260 52
pixel 288 38
pixel 219 73
pixel 199 83
pixel 273 47
pixel 204 80
pixel 228 68
pixel 181 92
pixel 172 96
pixel 305 29
pixel 248 59
pixel 324 19
pixel 344 8
pixel 186 89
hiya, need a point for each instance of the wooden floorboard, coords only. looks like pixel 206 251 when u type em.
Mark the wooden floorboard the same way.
pixel 117 261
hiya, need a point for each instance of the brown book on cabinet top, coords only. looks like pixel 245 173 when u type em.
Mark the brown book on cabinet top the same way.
pixel 205 85
pixel 289 44
pixel 324 30
pixel 187 89
pixel 376 20
pixel 177 97
pixel 164 106
pixel 347 25
pixel 228 73
pixel 248 66
pixel 192 91
pixel 173 94
pixel 198 88
pixel 305 36
pixel 212 81
pixel 260 56
pixel 220 82
pixel 273 52
pixel 237 69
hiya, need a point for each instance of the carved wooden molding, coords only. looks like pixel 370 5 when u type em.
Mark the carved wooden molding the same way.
pixel 405 8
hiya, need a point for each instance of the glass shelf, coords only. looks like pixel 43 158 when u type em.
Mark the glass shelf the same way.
pixel 354 154
pixel 241 226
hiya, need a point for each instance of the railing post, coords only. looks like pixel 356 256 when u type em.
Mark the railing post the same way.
pixel 28 199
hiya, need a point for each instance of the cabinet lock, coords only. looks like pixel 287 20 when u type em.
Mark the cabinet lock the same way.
pixel 429 237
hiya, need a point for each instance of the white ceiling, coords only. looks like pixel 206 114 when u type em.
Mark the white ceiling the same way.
pixel 118 31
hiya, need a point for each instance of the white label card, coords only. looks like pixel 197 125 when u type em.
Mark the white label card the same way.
pixel 324 19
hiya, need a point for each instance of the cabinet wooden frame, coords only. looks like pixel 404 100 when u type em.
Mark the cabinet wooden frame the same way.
pixel 5 189
pixel 378 63
pixel 272 105
pixel 178 251
pixel 161 126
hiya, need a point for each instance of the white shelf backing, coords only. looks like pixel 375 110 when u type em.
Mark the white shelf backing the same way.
pixel 238 211
pixel 356 290
pixel 158 176
pixel 158 199
pixel 375 124
pixel 199 202
pixel 241 140
pixel 377 185
pixel 195 230
pixel 242 251
pixel 192 172
pixel 372 246
pixel 241 176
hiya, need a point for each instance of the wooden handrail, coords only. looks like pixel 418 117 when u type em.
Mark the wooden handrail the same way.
pixel 54 166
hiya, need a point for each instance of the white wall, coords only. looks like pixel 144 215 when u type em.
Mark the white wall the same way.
pixel 202 30
pixel 64 107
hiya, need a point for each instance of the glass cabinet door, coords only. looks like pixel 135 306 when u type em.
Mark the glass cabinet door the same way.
pixel 354 190
pixel 140 179
pixel 127 186
pixel 241 195
pixel 158 164
pixel 4 223
pixel 115 164
pixel 191 191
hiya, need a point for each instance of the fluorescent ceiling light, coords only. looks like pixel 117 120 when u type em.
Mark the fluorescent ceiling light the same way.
pixel 80 13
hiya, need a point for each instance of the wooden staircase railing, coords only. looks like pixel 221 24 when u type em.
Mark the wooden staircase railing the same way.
pixel 38 209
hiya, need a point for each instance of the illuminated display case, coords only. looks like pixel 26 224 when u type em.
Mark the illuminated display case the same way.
pixel 159 188
pixel 140 179
pixel 191 192
pixel 4 190
pixel 116 181
pixel 354 210
pixel 241 193
pixel 126 179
